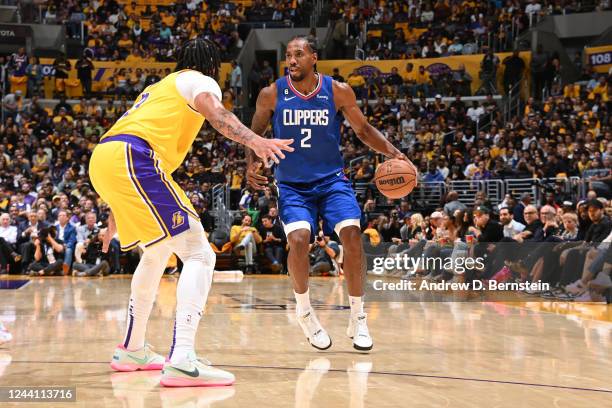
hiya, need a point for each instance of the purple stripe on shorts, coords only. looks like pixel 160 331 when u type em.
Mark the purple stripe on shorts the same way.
pixel 157 192
pixel 170 188
pixel 128 152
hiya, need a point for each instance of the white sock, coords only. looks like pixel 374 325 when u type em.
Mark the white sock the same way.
pixel 138 314
pixel 356 303
pixel 302 301
pixel 191 294
pixel 144 288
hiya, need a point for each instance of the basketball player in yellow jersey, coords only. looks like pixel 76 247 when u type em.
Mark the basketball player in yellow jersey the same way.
pixel 131 170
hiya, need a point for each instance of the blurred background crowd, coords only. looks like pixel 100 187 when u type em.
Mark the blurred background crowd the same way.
pixel 558 140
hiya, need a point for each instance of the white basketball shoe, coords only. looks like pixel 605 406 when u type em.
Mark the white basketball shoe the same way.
pixel 314 332
pixel 358 331
pixel 194 372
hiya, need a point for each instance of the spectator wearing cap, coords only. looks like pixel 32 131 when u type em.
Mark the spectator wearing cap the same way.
pixel 435 221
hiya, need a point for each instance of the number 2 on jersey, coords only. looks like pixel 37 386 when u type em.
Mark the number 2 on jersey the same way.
pixel 305 139
pixel 136 106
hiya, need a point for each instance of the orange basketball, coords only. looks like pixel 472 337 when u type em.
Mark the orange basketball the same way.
pixel 395 178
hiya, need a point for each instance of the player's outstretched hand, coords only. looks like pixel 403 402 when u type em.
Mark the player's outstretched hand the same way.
pixel 255 180
pixel 272 149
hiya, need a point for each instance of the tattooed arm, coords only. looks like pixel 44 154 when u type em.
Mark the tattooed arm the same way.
pixel 266 101
pixel 226 123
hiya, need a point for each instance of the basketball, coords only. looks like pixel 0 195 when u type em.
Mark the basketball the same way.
pixel 395 178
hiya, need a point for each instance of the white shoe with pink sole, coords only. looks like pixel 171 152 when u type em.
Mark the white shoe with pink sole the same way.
pixel 138 360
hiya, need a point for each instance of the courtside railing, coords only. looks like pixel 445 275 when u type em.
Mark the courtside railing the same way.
pixel 432 194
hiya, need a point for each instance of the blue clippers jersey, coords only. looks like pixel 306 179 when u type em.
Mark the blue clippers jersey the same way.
pixel 314 125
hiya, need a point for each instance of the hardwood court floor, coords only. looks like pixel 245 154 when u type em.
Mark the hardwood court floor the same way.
pixel 426 354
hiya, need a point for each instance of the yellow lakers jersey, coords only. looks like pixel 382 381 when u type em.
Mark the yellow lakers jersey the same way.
pixel 162 117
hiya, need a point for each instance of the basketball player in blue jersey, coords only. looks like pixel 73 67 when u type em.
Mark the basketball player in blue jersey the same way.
pixel 309 107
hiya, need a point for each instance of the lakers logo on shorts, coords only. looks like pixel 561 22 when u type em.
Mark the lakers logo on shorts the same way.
pixel 177 220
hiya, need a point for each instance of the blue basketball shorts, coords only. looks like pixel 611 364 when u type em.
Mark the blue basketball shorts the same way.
pixel 332 199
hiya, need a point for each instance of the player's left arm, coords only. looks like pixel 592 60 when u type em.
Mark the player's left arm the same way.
pixel 345 101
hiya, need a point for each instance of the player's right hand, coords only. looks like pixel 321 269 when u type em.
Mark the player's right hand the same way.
pixel 254 179
pixel 272 149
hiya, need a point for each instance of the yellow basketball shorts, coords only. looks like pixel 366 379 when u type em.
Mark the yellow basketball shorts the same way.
pixel 147 203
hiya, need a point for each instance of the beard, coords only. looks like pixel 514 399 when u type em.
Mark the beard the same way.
pixel 297 77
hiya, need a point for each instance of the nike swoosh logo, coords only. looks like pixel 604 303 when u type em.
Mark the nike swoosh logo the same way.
pixel 195 373
pixel 288 99
pixel 138 360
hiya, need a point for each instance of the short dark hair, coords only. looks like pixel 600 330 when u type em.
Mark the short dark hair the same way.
pixel 201 55
pixel 311 44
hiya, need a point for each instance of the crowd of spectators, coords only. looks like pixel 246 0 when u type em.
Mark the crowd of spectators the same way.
pixel 434 28
pixel 135 33
pixel 564 245
pixel 565 135
pixel 151 31
pixel 45 152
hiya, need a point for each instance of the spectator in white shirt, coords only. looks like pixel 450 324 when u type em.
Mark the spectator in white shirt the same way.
pixel 8 238
pixel 533 7
pixel 475 112
pixel 511 227
pixel 8 232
